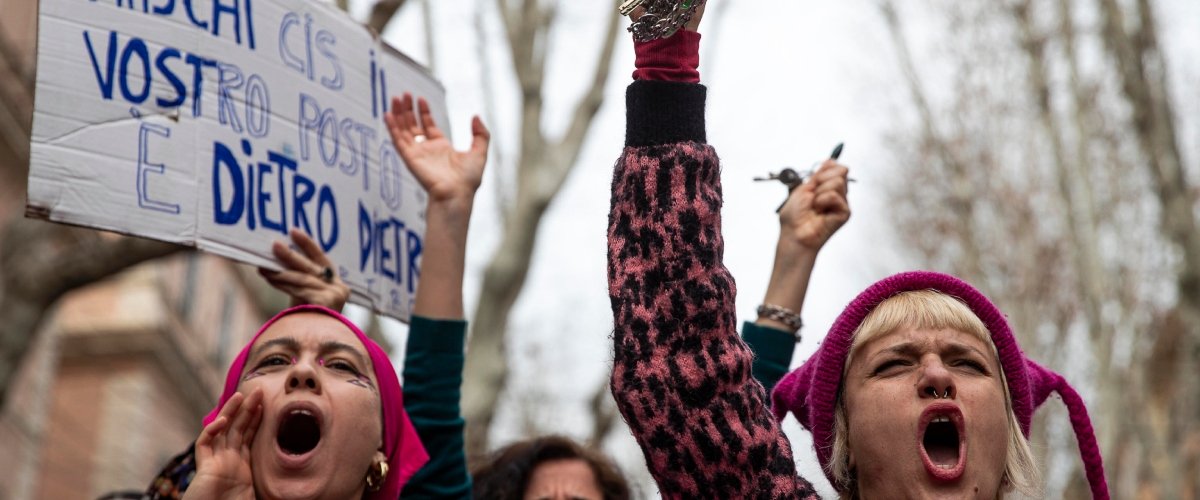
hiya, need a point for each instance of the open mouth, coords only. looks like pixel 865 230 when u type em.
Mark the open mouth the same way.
pixel 943 443
pixel 299 431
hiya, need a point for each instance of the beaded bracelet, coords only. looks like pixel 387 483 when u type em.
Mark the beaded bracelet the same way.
pixel 662 18
pixel 782 315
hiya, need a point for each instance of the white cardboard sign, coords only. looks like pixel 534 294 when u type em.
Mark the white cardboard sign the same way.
pixel 221 124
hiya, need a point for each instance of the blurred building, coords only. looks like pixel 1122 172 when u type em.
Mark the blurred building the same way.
pixel 121 375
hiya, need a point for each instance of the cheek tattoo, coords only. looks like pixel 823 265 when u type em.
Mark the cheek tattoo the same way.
pixel 362 381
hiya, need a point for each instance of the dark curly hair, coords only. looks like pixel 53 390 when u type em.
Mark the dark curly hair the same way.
pixel 506 473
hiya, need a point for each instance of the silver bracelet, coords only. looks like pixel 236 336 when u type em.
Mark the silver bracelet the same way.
pixel 662 18
pixel 782 315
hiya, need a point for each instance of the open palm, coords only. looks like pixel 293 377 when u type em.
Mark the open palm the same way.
pixel 446 174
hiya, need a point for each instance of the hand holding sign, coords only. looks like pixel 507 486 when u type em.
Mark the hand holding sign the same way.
pixel 305 272
pixel 446 174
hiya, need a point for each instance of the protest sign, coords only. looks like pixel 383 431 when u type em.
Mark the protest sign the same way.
pixel 221 124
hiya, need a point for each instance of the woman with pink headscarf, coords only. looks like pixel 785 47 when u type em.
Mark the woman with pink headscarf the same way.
pixel 312 408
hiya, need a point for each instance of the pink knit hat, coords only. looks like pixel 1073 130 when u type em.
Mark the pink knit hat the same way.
pixel 405 454
pixel 811 391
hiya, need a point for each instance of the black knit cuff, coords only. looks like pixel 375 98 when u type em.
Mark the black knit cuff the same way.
pixel 664 112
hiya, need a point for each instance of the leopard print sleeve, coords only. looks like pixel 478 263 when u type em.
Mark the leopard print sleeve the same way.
pixel 681 375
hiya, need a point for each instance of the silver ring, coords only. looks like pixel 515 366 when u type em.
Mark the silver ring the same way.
pixel 419 138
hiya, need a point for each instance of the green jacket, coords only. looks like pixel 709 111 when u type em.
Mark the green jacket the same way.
pixel 433 366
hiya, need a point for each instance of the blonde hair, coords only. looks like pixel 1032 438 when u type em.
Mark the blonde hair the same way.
pixel 932 310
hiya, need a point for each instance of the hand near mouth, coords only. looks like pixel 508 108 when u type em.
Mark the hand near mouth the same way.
pixel 223 451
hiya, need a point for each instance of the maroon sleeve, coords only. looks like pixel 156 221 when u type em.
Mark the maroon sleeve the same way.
pixel 681 375
pixel 672 59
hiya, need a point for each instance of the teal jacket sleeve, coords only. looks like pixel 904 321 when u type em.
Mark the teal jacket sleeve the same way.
pixel 772 352
pixel 433 365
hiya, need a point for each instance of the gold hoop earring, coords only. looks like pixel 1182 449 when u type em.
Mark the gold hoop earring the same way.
pixel 376 475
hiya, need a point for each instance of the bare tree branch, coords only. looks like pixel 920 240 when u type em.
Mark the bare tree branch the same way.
pixel 566 152
pixel 501 184
pixel 382 13
pixel 961 190
pixel 542 167
pixel 604 415
pixel 16 109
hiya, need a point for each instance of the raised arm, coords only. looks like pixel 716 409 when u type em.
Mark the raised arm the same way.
pixel 814 211
pixel 681 375
pixel 433 361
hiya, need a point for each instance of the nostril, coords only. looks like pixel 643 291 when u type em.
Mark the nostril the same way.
pixel 312 384
pixel 293 383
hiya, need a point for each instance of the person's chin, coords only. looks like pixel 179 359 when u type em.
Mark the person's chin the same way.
pixel 287 476
pixel 290 487
pixel 968 486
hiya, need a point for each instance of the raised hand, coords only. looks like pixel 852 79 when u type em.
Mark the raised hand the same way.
pixel 693 23
pixel 446 174
pixel 223 451
pixel 818 208
pixel 812 213
pixel 304 277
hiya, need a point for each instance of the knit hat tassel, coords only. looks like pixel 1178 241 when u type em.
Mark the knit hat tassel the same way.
pixel 1093 463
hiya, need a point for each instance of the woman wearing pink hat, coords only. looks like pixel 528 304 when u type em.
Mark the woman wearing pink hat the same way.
pixel 918 391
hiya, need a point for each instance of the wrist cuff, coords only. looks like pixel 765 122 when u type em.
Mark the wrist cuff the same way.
pixel 664 112
pixel 437 335
pixel 673 59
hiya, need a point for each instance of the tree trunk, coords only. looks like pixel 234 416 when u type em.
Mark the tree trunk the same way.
pixel 40 262
pixel 486 372
pixel 542 168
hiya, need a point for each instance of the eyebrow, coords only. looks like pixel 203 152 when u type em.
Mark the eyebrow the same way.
pixel 291 344
pixel 957 348
pixel 904 349
pixel 911 349
pixel 287 342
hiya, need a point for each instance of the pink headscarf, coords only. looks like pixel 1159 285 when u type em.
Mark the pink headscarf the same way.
pixel 405 454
